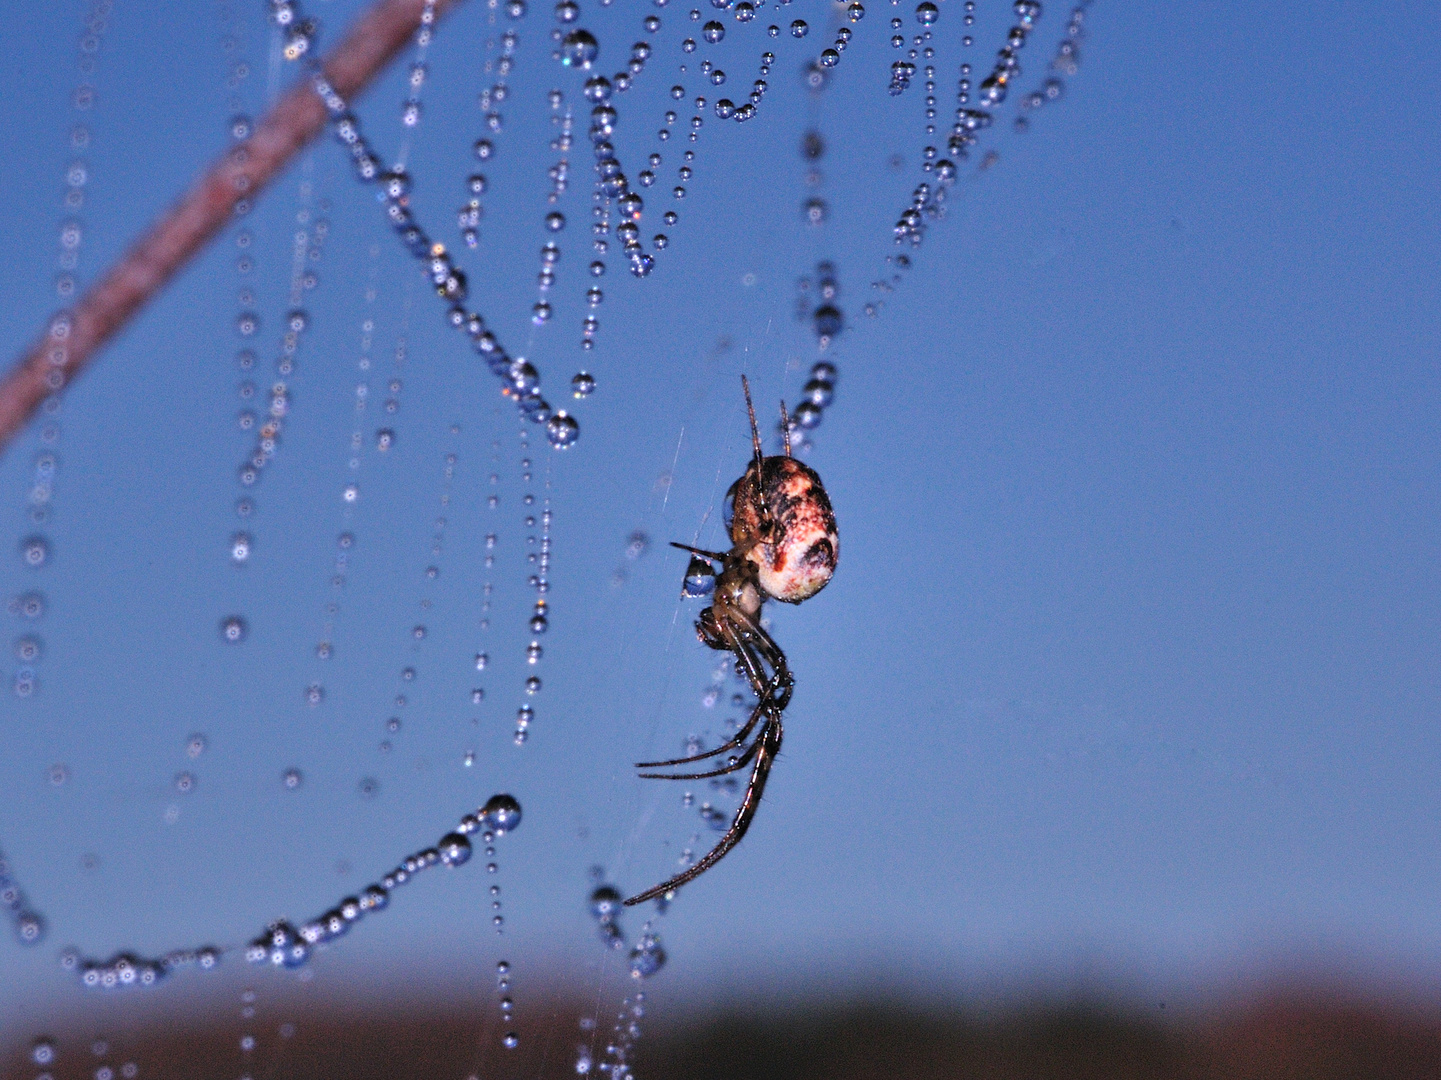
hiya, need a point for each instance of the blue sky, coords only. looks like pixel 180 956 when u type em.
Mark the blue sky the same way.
pixel 1128 670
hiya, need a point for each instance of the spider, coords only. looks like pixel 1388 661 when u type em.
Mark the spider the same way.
pixel 783 547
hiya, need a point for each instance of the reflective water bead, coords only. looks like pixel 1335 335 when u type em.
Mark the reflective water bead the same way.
pixel 534 652
pixel 700 578
pixel 35 551
pixel 713 32
pixel 605 903
pixel 818 392
pixel 454 849
pixel 562 430
pixel 29 928
pixel 511 1040
pixel 856 12
pixel 567 11
pixel 799 28
pixel 647 957
pixel 232 629
pixel 501 814
pixel 291 779
pixel 579 49
pixel 927 13
pixel 555 221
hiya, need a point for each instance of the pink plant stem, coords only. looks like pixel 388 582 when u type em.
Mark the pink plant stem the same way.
pixel 74 337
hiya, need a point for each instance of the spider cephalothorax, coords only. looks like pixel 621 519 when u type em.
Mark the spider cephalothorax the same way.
pixel 783 547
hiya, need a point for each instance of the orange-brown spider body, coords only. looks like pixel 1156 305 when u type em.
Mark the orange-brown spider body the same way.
pixel 783 547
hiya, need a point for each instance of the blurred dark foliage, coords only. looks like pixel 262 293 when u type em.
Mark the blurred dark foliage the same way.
pixel 1284 1036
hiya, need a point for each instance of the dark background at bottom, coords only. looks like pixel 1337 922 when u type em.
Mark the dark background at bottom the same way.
pixel 1288 1032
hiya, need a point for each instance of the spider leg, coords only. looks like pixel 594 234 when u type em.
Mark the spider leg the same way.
pixel 755 431
pixel 715 556
pixel 764 689
pixel 740 737
pixel 769 742
pixel 755 648
pixel 736 765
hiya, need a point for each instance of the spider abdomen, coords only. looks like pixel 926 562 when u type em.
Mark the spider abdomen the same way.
pixel 795 551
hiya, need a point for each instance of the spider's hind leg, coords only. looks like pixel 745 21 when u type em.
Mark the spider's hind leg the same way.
pixel 767 746
pixel 735 765
pixel 730 744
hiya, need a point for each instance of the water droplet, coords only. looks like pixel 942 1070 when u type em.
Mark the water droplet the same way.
pixel 579 49
pixel 195 745
pixel 384 439
pixel 29 928
pixel 713 32
pixel 233 629
pixel 292 779
pixel 700 577
pixel 562 430
pixel 555 221
pixel 583 383
pixel 511 1040
pixel 42 1052
pixel 647 957
pixel 501 814
pixel 35 551
pixel 454 849
pixel 927 13
pixel 799 28
pixel 369 787
pixel 240 547
pixel 605 903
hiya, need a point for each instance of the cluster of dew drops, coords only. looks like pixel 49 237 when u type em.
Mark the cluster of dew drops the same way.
pixel 286 945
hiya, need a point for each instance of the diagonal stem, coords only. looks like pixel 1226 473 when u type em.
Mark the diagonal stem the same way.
pixel 74 336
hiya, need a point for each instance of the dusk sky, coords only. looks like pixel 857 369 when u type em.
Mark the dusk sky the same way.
pixel 1128 672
